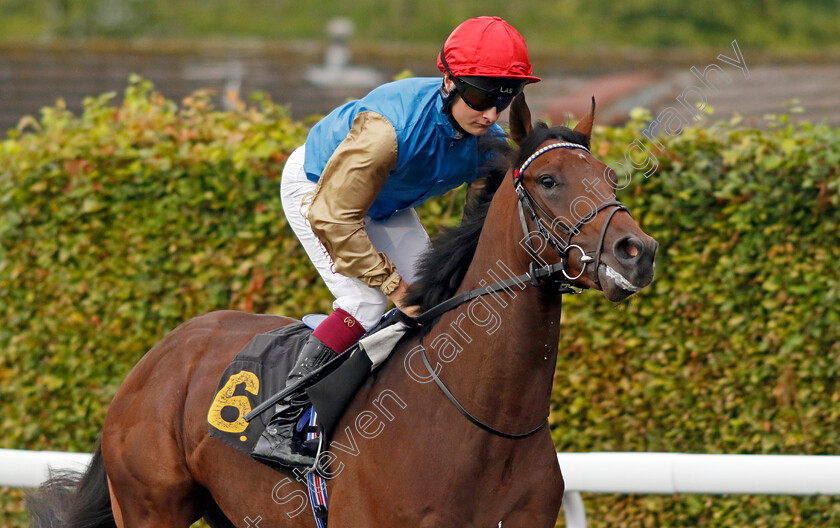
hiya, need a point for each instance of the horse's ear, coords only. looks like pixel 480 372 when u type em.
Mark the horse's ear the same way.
pixel 585 125
pixel 520 119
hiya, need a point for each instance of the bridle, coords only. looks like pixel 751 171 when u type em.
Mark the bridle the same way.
pixel 536 275
pixel 563 248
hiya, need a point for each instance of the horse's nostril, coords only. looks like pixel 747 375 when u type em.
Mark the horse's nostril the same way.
pixel 628 248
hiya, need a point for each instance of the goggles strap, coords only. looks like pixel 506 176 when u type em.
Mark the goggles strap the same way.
pixel 448 99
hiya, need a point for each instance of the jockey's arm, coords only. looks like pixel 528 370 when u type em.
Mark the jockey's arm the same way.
pixel 350 183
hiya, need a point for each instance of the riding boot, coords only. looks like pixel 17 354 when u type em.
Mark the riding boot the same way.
pixel 279 445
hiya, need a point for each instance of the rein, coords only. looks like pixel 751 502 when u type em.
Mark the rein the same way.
pixel 535 276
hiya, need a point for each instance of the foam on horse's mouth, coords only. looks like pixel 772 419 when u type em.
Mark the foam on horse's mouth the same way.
pixel 619 280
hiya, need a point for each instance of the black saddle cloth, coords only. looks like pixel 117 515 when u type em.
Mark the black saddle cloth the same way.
pixel 258 372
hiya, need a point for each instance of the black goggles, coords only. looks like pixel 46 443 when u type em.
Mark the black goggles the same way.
pixel 495 92
pixel 479 99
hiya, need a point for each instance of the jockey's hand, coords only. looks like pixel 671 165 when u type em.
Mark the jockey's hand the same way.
pixel 398 297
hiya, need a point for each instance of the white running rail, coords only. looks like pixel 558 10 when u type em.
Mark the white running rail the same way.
pixel 638 473
pixel 670 473
pixel 27 469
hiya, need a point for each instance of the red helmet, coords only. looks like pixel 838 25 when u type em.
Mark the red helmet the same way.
pixel 487 47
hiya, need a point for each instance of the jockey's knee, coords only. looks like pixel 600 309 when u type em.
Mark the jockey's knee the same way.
pixel 368 311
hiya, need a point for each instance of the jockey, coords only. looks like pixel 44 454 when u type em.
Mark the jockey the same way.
pixel 348 193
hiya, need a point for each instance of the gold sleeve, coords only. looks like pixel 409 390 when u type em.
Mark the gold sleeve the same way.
pixel 350 183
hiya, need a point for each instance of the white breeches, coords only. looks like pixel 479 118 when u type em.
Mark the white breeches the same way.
pixel 402 238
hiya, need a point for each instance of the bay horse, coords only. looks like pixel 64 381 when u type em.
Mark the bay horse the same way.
pixel 402 454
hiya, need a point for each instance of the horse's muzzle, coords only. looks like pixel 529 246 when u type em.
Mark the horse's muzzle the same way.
pixel 631 267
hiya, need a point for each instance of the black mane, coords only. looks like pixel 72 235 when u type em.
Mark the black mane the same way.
pixel 442 268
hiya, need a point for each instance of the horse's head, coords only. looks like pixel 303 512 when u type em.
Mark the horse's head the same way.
pixel 568 205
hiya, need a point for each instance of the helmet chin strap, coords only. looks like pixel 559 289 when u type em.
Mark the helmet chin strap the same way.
pixel 449 98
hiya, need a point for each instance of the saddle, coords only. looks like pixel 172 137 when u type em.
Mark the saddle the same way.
pixel 259 372
pixel 252 382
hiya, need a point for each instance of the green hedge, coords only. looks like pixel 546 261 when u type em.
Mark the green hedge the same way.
pixel 118 224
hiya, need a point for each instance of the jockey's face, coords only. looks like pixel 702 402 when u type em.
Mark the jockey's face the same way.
pixel 476 122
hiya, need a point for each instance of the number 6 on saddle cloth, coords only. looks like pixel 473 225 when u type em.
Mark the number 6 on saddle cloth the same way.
pixel 255 379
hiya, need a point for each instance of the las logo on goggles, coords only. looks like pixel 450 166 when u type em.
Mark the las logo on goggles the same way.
pixel 481 100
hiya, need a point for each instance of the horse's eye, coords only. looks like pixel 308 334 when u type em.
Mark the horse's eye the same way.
pixel 547 182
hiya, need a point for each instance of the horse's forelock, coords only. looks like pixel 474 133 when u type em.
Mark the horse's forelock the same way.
pixel 543 133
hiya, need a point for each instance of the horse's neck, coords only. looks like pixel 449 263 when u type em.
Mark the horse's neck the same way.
pixel 509 339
